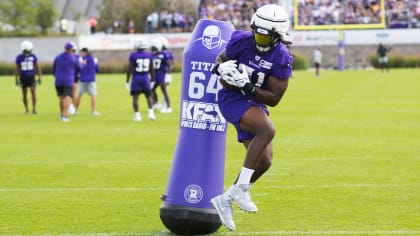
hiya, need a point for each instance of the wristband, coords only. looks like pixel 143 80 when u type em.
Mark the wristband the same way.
pixel 249 89
pixel 215 70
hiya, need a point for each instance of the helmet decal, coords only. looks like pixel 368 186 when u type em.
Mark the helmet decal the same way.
pixel 212 37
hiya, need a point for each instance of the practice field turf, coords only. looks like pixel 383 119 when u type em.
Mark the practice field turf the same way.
pixel 346 161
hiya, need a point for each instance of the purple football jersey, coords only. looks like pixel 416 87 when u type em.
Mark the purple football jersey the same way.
pixel 65 67
pixel 169 55
pixel 277 62
pixel 26 64
pixel 141 61
pixel 160 62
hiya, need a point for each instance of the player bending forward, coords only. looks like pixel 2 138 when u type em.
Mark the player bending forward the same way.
pixel 255 68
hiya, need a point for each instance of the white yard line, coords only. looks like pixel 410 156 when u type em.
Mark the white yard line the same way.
pixel 279 232
pixel 139 189
pixel 328 232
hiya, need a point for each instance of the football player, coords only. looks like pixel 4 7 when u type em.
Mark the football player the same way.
pixel 140 67
pixel 161 64
pixel 72 107
pixel 25 70
pixel 65 67
pixel 258 66
pixel 88 79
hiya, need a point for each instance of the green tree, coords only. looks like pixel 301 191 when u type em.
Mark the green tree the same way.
pixel 45 15
pixel 20 14
pixel 27 16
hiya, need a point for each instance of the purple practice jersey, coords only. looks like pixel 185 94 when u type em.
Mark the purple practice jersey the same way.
pixel 26 64
pixel 169 55
pixel 277 63
pixel 141 61
pixel 90 68
pixel 65 67
pixel 160 62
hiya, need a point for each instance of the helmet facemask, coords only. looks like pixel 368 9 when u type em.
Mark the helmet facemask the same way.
pixel 264 40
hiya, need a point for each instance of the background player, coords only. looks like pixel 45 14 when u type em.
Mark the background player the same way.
pixel 65 66
pixel 317 59
pixel 26 68
pixel 170 56
pixel 259 81
pixel 383 58
pixel 140 66
pixel 88 79
pixel 72 107
pixel 161 65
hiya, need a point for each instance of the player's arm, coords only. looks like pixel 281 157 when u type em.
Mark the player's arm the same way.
pixel 152 72
pixel 272 96
pixel 168 65
pixel 221 57
pixel 95 60
pixel 38 69
pixel 17 74
pixel 129 70
pixel 38 72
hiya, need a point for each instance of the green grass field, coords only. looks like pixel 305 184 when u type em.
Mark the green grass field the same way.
pixel 346 161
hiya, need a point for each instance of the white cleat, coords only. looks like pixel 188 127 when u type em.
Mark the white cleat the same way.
pixel 72 110
pixel 225 211
pixel 240 194
pixel 65 119
pixel 95 113
pixel 151 115
pixel 166 110
pixel 157 106
pixel 137 118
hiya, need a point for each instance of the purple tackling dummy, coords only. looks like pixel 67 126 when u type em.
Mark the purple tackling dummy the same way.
pixel 197 172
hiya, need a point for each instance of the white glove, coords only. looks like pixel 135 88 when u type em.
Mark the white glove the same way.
pixel 227 67
pixel 127 86
pixel 228 79
pixel 240 78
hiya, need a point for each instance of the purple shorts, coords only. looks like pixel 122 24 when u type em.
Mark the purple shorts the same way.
pixel 139 85
pixel 159 78
pixel 233 105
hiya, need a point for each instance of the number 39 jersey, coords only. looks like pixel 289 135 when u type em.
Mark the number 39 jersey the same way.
pixel 26 64
pixel 142 61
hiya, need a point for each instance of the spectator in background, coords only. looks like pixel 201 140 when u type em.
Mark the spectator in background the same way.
pixel 317 59
pixel 62 25
pixel 149 24
pixel 155 21
pixel 237 12
pixel 131 27
pixel 88 79
pixel 93 23
pixel 118 26
pixel 65 66
pixel 26 68
pixel 383 58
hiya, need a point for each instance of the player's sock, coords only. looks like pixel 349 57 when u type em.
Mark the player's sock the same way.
pixel 245 176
